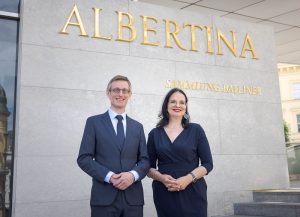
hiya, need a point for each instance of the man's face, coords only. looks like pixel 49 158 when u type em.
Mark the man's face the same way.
pixel 118 94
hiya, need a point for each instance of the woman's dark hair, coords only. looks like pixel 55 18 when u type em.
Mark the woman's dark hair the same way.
pixel 164 115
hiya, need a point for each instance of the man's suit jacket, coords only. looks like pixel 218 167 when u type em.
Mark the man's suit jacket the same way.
pixel 100 153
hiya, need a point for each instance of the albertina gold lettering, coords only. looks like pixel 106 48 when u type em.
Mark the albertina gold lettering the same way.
pixel 232 47
pixel 127 32
pixel 128 26
pixel 146 29
pixel 79 23
pixel 251 48
pixel 209 40
pixel 193 37
pixel 173 34
pixel 97 25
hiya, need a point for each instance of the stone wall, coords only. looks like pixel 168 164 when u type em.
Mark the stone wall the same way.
pixel 62 80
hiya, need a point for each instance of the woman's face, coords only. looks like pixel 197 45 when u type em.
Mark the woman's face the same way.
pixel 176 105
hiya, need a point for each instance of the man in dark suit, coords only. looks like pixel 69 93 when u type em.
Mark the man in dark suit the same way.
pixel 113 152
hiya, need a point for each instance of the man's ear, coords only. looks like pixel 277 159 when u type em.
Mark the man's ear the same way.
pixel 129 95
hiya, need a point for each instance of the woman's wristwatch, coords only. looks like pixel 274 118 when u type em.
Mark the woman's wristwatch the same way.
pixel 194 177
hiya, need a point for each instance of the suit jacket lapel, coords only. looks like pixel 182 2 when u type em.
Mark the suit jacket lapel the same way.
pixel 111 130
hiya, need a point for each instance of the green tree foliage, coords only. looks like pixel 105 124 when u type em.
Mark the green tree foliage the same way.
pixel 286 131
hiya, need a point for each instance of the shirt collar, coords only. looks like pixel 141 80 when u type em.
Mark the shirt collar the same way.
pixel 113 114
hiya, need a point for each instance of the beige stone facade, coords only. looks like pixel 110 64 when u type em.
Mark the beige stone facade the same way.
pixel 289 80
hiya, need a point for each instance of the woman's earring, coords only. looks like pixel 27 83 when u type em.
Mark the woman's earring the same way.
pixel 186 116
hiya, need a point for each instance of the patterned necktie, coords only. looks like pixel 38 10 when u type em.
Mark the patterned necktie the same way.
pixel 120 131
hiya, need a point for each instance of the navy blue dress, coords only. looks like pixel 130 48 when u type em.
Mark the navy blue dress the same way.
pixel 178 158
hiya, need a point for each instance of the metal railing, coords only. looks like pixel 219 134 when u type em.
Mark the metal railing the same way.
pixel 293 155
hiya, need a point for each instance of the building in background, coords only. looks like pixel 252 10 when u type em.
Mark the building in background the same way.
pixel 289 81
pixel 9 24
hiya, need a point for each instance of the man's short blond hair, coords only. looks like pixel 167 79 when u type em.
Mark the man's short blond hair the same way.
pixel 118 78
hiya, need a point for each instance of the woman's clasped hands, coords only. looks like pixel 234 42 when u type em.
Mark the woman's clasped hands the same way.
pixel 173 184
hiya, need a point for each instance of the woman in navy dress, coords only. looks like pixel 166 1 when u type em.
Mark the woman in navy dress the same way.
pixel 175 148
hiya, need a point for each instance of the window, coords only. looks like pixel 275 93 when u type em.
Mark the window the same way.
pixel 296 90
pixel 298 122
pixel 9 22
pixel 10 5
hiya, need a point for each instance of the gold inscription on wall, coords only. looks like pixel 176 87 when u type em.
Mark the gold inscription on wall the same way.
pixel 214 87
pixel 172 30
